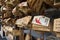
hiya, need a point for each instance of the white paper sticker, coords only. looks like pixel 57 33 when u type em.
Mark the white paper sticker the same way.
pixel 41 20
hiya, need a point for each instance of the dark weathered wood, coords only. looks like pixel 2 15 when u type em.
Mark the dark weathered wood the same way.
pixel 35 4
pixel 57 4
pixel 13 3
pixel 21 11
pixel 50 3
pixel 6 14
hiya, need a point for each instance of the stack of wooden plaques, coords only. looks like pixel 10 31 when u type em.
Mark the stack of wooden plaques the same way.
pixel 17 15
